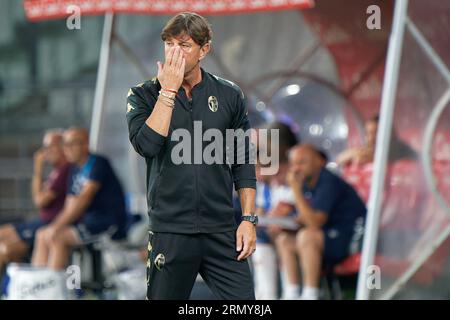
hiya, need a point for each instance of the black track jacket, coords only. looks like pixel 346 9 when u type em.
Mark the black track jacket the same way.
pixel 190 197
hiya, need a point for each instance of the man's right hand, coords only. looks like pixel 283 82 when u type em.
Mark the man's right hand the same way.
pixel 39 160
pixel 364 155
pixel 294 180
pixel 171 73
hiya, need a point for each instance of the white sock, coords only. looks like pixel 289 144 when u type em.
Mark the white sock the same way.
pixel 291 291
pixel 310 293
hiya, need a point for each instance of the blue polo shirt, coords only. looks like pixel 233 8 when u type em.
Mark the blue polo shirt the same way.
pixel 108 205
pixel 336 198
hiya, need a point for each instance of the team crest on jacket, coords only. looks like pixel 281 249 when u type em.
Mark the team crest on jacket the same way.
pixel 213 104
pixel 159 262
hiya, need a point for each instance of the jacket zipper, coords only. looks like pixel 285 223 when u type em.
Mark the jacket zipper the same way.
pixel 191 104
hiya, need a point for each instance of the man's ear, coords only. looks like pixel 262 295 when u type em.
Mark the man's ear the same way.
pixel 204 50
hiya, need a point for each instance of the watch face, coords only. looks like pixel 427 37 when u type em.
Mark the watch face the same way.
pixel 253 219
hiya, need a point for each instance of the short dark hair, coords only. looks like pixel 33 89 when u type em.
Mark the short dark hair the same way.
pixel 287 137
pixel 322 154
pixel 375 118
pixel 193 24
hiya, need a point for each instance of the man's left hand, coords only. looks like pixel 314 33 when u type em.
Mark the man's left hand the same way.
pixel 245 240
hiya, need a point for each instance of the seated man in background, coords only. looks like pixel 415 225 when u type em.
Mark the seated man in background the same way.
pixel 16 240
pixel 94 204
pixel 283 238
pixel 398 149
pixel 330 213
pixel 363 154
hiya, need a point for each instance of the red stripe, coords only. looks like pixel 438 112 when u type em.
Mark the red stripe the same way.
pixel 37 10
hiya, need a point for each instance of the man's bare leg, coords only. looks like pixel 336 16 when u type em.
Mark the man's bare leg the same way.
pixel 8 233
pixel 3 262
pixel 285 244
pixel 265 268
pixel 12 248
pixel 41 250
pixel 310 243
pixel 13 251
pixel 61 247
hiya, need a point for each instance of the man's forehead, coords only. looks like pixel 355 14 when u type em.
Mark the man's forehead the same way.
pixel 50 138
pixel 72 135
pixel 303 152
pixel 69 135
pixel 182 37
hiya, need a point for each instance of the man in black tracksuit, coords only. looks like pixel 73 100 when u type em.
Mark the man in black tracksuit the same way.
pixel 192 222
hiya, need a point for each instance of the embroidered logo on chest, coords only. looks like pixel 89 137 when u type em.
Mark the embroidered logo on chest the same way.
pixel 213 104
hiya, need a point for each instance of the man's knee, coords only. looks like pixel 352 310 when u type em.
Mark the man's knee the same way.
pixel 5 250
pixel 5 230
pixel 13 251
pixel 62 238
pixel 285 241
pixel 40 237
pixel 308 237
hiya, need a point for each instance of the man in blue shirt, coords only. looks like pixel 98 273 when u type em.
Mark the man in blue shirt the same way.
pixel 94 204
pixel 330 212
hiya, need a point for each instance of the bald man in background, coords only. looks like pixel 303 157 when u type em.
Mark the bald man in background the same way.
pixel 94 204
pixel 17 239
pixel 330 213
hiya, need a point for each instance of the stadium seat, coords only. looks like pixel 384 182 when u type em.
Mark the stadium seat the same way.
pixel 342 276
pixel 349 266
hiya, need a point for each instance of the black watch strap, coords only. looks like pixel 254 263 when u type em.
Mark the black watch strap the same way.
pixel 250 218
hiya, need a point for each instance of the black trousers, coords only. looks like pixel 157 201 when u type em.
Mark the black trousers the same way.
pixel 175 260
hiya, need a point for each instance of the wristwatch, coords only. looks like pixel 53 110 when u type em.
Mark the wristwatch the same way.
pixel 250 218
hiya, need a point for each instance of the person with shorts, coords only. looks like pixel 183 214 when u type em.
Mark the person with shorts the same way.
pixel 330 212
pixel 16 239
pixel 95 204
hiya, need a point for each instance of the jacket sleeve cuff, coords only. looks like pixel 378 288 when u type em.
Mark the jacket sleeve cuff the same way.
pixel 151 135
pixel 246 183
pixel 148 142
